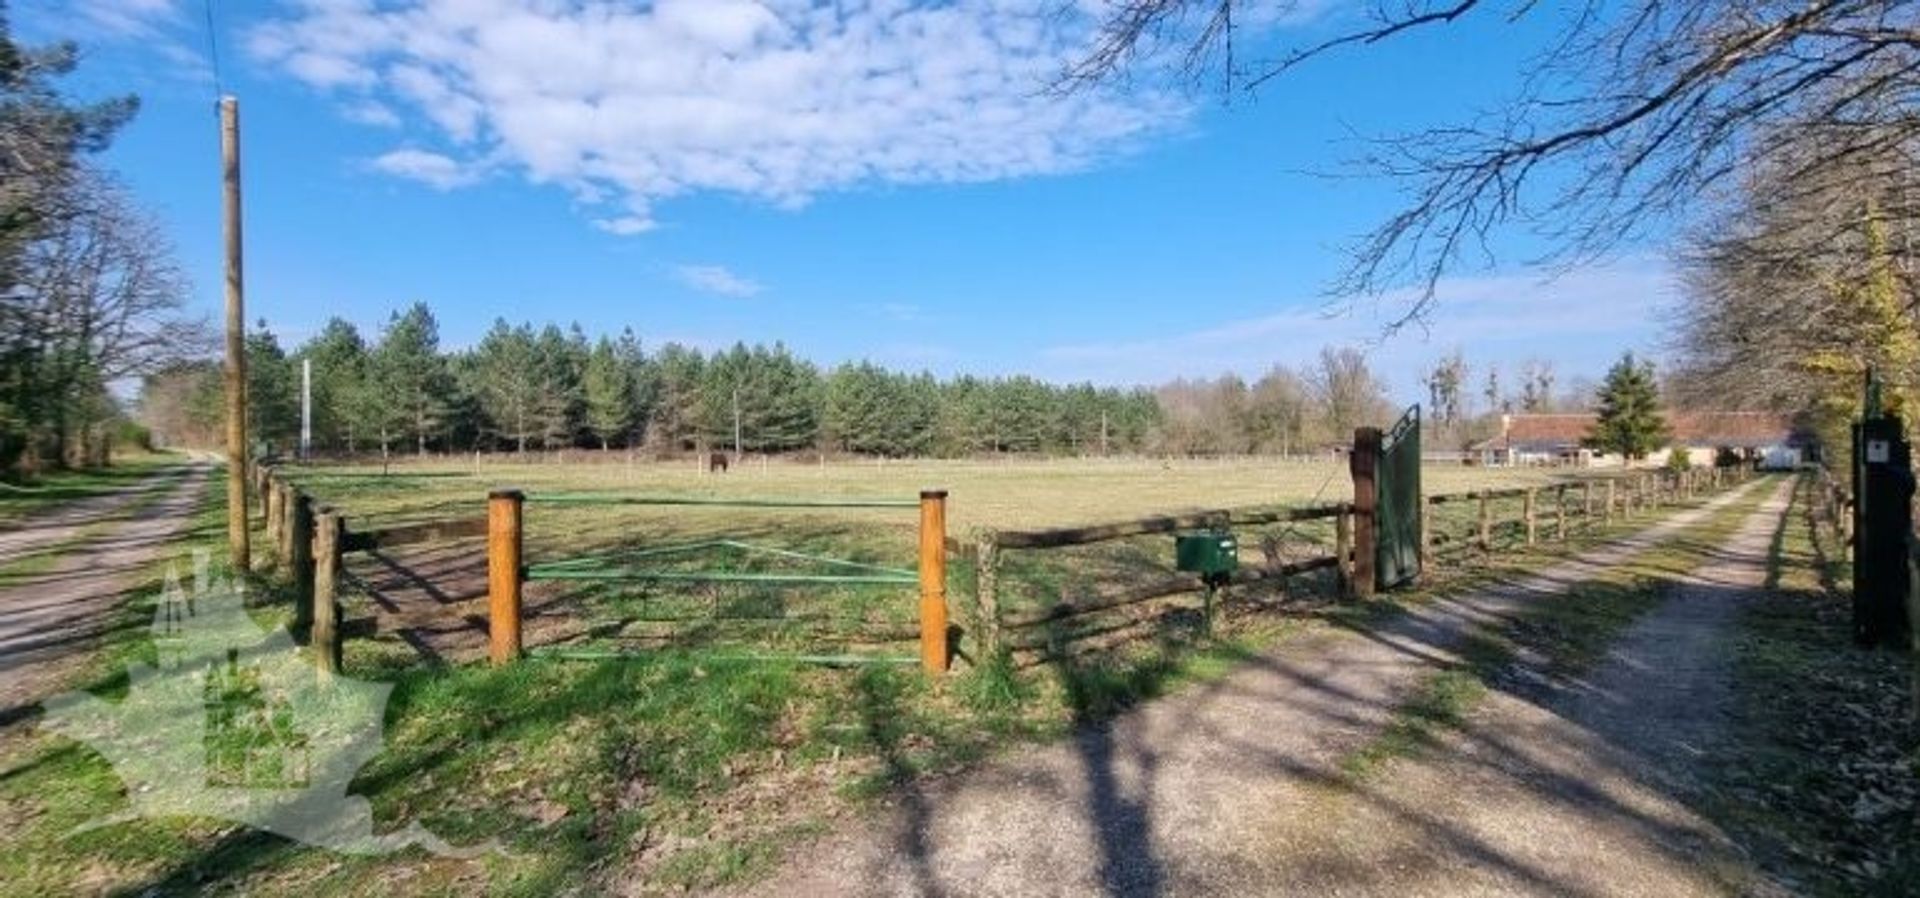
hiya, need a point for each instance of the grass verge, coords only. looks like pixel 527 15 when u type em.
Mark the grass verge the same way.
pixel 1825 792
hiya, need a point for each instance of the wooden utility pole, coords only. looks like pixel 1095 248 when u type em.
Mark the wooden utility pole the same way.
pixel 236 374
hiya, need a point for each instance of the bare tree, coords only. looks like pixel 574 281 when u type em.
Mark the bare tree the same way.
pixel 1627 116
pixel 96 303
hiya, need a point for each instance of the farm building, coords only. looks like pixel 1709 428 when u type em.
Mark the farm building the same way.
pixel 1771 439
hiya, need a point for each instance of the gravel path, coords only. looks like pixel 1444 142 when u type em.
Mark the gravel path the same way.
pixel 50 618
pixel 49 529
pixel 1235 788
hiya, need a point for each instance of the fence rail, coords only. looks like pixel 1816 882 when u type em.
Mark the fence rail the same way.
pixel 1543 512
pixel 312 542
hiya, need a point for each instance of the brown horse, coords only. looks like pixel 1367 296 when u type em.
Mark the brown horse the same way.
pixel 716 462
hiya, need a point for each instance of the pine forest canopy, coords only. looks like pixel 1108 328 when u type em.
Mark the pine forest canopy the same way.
pixel 522 387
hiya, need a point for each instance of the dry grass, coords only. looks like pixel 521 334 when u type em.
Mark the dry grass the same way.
pixel 1011 494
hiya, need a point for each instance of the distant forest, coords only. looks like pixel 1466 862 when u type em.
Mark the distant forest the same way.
pixel 538 388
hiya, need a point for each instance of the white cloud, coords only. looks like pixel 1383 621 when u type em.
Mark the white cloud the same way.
pixel 778 100
pixel 625 225
pixel 125 18
pixel 433 169
pixel 1579 320
pixel 716 279
pixel 371 112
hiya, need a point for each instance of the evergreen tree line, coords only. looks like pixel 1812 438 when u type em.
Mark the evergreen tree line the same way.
pixel 526 388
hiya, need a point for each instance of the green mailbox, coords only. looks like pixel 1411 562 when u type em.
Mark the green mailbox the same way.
pixel 1212 554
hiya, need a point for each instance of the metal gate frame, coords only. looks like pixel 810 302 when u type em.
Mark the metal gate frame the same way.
pixel 1397 531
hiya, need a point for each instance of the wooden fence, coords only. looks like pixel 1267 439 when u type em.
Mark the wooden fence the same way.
pixel 311 543
pixel 1543 512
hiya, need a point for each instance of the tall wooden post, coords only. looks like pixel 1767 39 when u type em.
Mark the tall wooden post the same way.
pixel 326 592
pixel 1486 522
pixel 1586 501
pixel 1610 490
pixel 1364 463
pixel 504 542
pixel 1343 550
pixel 1529 516
pixel 934 655
pixel 238 540
pixel 300 561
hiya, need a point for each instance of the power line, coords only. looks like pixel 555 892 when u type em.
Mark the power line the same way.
pixel 213 50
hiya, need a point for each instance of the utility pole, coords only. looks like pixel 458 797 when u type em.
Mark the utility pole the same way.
pixel 306 409
pixel 736 425
pixel 236 373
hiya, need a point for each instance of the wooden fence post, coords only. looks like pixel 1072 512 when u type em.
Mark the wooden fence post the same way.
pixel 1560 513
pixel 986 587
pixel 263 475
pixel 300 562
pixel 284 541
pixel 1611 481
pixel 1364 464
pixel 325 643
pixel 1586 501
pixel 1426 535
pixel 504 542
pixel 273 497
pixel 934 656
pixel 1528 514
pixel 1343 551
pixel 1486 521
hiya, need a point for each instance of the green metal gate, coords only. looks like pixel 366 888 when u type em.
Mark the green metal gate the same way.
pixel 1397 528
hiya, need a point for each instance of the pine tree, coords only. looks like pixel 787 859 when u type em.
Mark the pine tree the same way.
pixel 273 401
pixel 410 377
pixel 1629 422
pixel 609 390
pixel 339 360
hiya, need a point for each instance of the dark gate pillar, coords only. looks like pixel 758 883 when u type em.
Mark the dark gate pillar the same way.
pixel 1883 522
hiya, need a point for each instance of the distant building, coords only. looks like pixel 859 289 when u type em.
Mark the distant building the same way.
pixel 1773 440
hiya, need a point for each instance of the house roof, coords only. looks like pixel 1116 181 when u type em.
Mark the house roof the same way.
pixel 1741 430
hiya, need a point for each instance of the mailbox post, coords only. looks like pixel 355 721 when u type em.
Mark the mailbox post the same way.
pixel 1214 555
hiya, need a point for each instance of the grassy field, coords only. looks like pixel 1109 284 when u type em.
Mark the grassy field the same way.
pixel 682 767
pixel 1007 495
pixel 999 495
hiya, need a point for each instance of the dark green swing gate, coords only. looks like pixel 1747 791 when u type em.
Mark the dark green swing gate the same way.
pixel 1397 518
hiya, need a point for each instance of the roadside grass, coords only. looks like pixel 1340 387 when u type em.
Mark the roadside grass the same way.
pixel 1825 790
pixel 669 770
pixel 19 501
pixel 50 786
pixel 1567 635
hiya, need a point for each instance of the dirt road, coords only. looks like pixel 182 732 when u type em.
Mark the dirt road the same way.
pixel 1235 788
pixel 50 616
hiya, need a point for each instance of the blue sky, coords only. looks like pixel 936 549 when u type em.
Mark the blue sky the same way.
pixel 872 178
